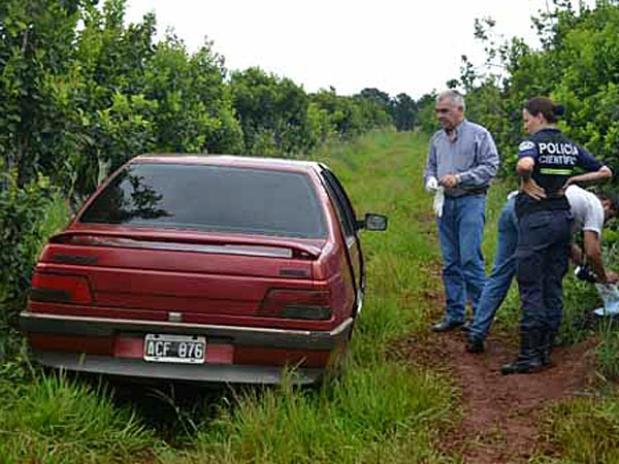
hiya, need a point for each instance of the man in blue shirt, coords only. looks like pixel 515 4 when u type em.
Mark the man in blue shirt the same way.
pixel 462 160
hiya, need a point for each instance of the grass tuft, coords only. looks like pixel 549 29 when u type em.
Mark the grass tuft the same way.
pixel 586 430
pixel 55 420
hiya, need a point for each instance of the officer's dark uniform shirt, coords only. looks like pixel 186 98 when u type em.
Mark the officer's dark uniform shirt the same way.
pixel 556 158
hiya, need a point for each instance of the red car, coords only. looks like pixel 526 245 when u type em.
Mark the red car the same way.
pixel 203 268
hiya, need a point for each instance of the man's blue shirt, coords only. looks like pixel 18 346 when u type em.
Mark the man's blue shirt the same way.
pixel 472 155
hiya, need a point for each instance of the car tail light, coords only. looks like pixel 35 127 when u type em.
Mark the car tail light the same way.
pixel 60 288
pixel 296 304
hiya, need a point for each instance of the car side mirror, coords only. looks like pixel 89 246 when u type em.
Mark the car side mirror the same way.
pixel 373 222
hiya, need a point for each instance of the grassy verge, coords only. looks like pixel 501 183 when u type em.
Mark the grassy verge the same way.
pixel 53 420
pixel 585 430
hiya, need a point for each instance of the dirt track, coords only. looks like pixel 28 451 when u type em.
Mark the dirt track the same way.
pixel 502 414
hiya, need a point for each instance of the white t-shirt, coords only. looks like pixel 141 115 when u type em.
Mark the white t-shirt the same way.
pixel 586 208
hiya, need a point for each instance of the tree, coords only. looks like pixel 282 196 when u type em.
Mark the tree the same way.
pixel 382 99
pixel 36 49
pixel 425 112
pixel 404 112
pixel 272 112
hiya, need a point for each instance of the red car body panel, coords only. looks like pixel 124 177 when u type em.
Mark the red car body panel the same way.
pixel 121 282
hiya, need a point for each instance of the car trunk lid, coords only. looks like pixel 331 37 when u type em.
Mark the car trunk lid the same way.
pixel 181 271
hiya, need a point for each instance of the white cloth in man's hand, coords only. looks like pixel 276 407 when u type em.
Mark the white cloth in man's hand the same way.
pixel 431 184
pixel 439 200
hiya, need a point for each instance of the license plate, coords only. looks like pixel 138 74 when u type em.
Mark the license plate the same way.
pixel 174 348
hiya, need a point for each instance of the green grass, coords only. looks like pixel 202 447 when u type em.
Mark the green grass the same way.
pixel 586 429
pixel 368 410
pixel 56 421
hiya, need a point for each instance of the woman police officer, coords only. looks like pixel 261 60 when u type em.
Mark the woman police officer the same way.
pixel 549 159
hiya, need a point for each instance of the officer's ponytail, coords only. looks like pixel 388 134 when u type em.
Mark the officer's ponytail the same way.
pixel 559 110
pixel 546 107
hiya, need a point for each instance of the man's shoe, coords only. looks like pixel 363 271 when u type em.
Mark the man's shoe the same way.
pixel 474 345
pixel 445 325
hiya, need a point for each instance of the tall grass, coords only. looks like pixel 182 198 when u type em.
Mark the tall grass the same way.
pixel 54 420
pixel 369 406
pixel 586 429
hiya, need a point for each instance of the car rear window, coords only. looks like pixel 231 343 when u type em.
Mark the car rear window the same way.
pixel 215 198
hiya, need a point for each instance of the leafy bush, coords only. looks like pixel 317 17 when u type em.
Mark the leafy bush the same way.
pixel 21 213
pixel 28 216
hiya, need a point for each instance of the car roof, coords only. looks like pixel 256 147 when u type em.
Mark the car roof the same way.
pixel 231 161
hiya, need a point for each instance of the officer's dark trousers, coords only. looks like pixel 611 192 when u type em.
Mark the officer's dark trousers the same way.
pixel 541 262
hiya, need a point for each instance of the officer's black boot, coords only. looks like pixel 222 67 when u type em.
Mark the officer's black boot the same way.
pixel 546 346
pixel 529 359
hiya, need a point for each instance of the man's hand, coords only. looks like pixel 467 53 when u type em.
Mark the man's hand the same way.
pixel 611 277
pixel 449 181
pixel 532 189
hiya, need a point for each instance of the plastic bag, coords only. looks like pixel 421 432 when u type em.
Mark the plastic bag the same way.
pixel 610 296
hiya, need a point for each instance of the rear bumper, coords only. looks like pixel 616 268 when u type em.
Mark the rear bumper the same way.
pixel 137 368
pixel 94 345
pixel 245 336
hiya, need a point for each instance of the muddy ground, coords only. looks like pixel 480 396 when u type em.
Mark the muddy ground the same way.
pixel 502 420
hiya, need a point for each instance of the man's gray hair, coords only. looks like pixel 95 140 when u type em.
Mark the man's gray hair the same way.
pixel 454 96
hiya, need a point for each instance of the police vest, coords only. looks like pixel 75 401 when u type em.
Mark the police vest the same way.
pixel 556 158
